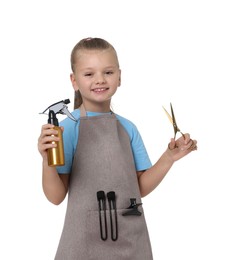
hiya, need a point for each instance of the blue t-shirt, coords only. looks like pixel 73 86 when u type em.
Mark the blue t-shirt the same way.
pixel 71 135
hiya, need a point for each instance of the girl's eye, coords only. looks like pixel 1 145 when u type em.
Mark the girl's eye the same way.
pixel 88 74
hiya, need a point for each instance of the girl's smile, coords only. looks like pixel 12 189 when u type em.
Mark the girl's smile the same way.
pixel 99 90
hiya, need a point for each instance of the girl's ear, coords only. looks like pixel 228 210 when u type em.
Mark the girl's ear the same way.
pixel 119 78
pixel 73 81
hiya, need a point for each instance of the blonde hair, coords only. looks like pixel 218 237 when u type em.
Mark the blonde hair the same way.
pixel 87 44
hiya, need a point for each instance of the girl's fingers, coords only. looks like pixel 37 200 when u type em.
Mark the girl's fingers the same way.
pixel 186 138
pixel 47 138
pixel 172 144
pixel 183 143
pixel 193 145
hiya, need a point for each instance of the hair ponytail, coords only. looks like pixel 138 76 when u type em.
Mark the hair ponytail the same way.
pixel 77 99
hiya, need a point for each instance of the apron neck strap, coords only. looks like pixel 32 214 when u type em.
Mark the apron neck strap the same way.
pixel 83 111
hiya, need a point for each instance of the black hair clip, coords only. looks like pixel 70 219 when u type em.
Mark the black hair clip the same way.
pixel 112 209
pixel 133 209
pixel 102 212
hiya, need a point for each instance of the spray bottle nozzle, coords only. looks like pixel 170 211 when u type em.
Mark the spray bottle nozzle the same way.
pixel 66 101
pixel 59 108
pixel 52 119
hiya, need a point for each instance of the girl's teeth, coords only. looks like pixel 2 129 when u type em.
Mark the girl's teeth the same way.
pixel 99 89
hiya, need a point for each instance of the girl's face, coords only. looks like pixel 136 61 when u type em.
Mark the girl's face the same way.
pixel 97 76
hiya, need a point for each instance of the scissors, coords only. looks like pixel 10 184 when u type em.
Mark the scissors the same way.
pixel 172 120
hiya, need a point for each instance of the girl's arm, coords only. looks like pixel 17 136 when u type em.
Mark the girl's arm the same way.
pixel 151 178
pixel 55 186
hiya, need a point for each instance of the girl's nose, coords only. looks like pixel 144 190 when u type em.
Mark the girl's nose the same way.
pixel 100 79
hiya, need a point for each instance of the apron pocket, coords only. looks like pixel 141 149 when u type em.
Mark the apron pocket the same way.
pixel 132 243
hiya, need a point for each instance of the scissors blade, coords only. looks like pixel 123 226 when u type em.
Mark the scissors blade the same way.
pixel 176 129
pixel 168 115
pixel 173 117
pixel 172 120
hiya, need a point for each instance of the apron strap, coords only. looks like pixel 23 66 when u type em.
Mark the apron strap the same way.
pixel 83 111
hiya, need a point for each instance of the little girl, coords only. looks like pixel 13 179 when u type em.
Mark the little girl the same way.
pixel 107 168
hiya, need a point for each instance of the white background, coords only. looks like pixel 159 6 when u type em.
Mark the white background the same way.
pixel 169 51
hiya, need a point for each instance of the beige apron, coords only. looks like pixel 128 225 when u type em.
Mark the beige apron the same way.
pixel 103 161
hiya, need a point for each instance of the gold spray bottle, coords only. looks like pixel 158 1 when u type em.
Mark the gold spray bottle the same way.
pixel 56 155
